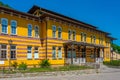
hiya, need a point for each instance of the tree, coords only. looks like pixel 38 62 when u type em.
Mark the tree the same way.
pixel 4 5
pixel 116 48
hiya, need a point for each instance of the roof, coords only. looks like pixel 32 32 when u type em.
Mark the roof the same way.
pixel 32 10
pixel 49 11
pixel 15 11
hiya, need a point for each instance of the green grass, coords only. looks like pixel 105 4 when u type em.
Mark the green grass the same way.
pixel 63 68
pixel 112 63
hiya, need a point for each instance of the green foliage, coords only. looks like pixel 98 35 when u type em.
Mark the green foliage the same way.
pixel 15 64
pixel 22 66
pixel 116 48
pixel 45 63
pixel 4 5
pixel 112 63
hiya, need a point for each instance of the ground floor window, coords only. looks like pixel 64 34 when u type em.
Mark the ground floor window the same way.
pixel 53 52
pixel 29 52
pixel 36 53
pixel 3 51
pixel 13 52
pixel 59 52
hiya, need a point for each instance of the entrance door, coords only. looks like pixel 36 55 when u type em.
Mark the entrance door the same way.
pixel 71 58
pixel 90 55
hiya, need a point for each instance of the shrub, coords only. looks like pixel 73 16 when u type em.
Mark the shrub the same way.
pixel 45 63
pixel 22 66
pixel 15 64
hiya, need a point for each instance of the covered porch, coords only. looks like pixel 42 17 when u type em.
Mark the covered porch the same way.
pixel 81 52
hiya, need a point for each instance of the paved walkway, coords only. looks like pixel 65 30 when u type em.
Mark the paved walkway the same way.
pixel 104 73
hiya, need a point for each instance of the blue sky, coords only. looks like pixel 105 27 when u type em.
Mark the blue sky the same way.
pixel 103 14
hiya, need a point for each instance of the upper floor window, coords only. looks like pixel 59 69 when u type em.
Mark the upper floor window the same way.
pixel 36 31
pixel 74 35
pixel 85 37
pixel 101 41
pixel 59 32
pixel 54 31
pixel 93 39
pixel 13 27
pixel 29 30
pixel 4 23
pixel 82 34
pixel 69 34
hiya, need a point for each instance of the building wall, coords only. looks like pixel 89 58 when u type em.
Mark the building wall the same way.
pixel 65 27
pixel 21 40
pixel 45 40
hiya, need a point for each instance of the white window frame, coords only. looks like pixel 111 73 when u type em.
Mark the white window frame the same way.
pixel 60 30
pixel 29 52
pixel 54 52
pixel 3 50
pixel 69 34
pixel 60 53
pixel 36 53
pixel 28 30
pixel 11 27
pixel 13 50
pixel 53 31
pixel 35 31
pixel 2 27
pixel 74 37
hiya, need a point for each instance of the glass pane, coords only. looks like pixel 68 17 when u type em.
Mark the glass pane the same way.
pixel 3 46
pixel 13 47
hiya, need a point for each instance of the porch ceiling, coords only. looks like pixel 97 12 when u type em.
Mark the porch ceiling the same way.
pixel 83 44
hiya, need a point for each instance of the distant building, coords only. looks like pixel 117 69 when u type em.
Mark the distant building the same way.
pixel 43 34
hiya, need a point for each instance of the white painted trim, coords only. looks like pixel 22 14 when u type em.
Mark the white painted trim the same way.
pixel 1 25
pixel 11 27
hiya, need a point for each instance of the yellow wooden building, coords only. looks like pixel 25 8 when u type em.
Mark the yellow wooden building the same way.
pixel 42 34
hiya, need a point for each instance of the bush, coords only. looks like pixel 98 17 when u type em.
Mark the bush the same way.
pixel 15 64
pixel 45 63
pixel 112 63
pixel 22 66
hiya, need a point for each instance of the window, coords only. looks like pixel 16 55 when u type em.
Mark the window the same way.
pixel 36 31
pixel 54 31
pixel 13 27
pixel 29 52
pixel 69 34
pixel 13 52
pixel 84 37
pixel 59 32
pixel 59 52
pixel 36 53
pixel 29 30
pixel 83 55
pixel 93 39
pixel 74 35
pixel 101 41
pixel 3 52
pixel 4 23
pixel 54 52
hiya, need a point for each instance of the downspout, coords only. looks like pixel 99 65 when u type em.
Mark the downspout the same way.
pixel 46 37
